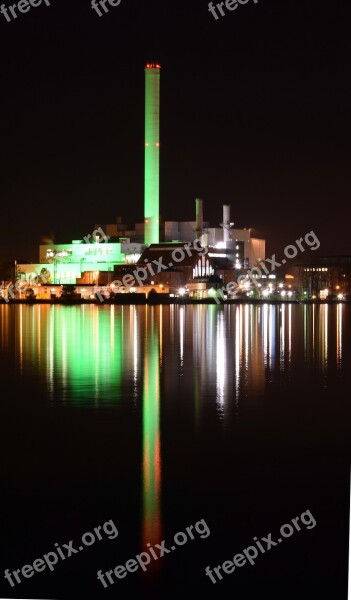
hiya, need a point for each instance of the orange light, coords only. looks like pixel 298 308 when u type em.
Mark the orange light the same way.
pixel 153 66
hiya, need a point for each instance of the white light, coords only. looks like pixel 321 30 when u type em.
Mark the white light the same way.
pixel 283 293
pixel 340 296
pixel 182 291
pixel 290 294
pixel 266 293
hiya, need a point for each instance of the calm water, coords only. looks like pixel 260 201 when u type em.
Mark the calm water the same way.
pixel 158 417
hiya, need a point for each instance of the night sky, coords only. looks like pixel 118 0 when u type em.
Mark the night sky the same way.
pixel 255 112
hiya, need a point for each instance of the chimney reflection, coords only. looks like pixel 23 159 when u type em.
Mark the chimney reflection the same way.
pixel 152 529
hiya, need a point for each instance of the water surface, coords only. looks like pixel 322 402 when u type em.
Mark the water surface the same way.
pixel 160 416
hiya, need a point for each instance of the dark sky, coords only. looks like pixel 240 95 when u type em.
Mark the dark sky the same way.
pixel 255 113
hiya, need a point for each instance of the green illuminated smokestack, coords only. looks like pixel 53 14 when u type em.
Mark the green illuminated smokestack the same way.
pixel 152 154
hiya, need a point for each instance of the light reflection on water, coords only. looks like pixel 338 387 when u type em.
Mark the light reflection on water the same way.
pixel 209 362
pixel 95 356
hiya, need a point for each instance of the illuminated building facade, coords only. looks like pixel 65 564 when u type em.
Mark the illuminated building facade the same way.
pixel 77 262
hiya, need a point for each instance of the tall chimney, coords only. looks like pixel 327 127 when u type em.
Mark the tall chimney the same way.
pixel 152 154
pixel 199 218
pixel 226 223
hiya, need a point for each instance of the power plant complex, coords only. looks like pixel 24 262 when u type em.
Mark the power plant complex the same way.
pixel 115 248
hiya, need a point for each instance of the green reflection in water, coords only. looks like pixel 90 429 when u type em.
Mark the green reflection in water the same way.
pixel 84 353
pixel 151 433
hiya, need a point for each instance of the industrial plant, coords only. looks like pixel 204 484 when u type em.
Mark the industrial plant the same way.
pixel 115 248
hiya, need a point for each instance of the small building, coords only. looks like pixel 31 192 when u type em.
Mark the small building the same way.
pixel 325 276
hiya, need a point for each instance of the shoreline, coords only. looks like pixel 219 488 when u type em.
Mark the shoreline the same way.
pixel 166 302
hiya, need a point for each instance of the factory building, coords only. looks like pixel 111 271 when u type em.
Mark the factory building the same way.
pixel 221 241
pixel 97 258
pixel 78 262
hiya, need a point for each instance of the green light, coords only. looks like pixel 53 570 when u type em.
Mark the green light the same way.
pixel 86 353
pixel 152 155
pixel 151 434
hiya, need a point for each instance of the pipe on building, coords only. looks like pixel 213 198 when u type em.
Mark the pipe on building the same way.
pixel 199 218
pixel 226 223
